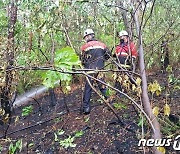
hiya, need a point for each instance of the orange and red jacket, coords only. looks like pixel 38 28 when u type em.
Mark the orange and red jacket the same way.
pixel 125 50
pixel 94 54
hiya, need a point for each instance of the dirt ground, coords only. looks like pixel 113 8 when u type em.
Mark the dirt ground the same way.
pixel 99 132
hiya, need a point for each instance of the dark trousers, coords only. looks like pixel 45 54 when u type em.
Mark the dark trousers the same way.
pixel 118 85
pixel 88 92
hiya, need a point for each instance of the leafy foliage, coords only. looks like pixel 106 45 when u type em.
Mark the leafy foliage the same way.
pixel 47 26
pixel 15 148
pixel 154 88
pixel 60 132
pixel 64 60
pixel 79 133
pixel 161 149
pixel 68 142
pixel 1 147
pixel 42 23
pixel 27 110
pixel 119 106
pixel 110 92
pixel 2 112
pixel 155 111
pixel 167 110
pixel 142 121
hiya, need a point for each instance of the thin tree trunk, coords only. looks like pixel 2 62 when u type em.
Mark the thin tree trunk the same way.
pixel 125 18
pixel 52 94
pixel 145 98
pixel 164 55
pixel 6 90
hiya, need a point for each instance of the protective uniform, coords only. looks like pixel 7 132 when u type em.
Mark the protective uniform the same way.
pixel 124 50
pixel 94 54
pixel 126 53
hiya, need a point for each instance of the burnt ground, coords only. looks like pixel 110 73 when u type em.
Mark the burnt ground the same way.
pixel 102 134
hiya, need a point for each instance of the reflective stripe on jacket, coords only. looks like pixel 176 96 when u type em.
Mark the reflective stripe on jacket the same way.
pixel 93 45
pixel 94 54
pixel 123 49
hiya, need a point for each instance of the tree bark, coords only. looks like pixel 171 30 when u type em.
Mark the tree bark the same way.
pixel 164 55
pixel 6 89
pixel 125 19
pixel 145 98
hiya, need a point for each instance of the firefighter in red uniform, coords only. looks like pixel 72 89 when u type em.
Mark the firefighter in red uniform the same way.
pixel 93 55
pixel 126 54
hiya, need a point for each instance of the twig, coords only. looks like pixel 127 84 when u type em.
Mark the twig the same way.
pixel 118 6
pixel 150 13
pixel 124 95
pixel 38 123
pixel 106 102
pixel 74 71
pixel 142 19
pixel 40 109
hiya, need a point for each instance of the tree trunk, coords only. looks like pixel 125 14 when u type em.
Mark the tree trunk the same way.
pixel 164 55
pixel 6 89
pixel 125 19
pixel 145 98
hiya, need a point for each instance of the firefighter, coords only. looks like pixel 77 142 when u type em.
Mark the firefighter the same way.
pixel 126 50
pixel 126 54
pixel 93 55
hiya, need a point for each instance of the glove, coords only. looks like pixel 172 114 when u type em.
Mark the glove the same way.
pixel 114 55
pixel 82 58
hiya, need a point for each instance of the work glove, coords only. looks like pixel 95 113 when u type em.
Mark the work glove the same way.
pixel 83 59
pixel 114 55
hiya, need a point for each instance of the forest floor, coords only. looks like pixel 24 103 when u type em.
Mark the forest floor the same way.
pixel 47 128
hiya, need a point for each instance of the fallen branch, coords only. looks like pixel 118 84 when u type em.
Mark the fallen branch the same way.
pixel 141 109
pixel 106 101
pixel 74 71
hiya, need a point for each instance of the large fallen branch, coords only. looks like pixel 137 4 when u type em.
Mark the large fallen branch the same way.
pixel 86 73
pixel 117 90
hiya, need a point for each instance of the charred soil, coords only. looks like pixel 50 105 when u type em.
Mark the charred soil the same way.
pixel 51 130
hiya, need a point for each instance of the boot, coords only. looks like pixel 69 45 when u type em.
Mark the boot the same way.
pixel 86 109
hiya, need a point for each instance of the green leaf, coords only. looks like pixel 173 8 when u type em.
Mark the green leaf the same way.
pixel 12 148
pixel 64 60
pixel 155 111
pixel 119 106
pixel 55 137
pixel 30 144
pixel 86 119
pixel 68 142
pixel 72 145
pixel 140 122
pixel 110 92
pixel 1 147
pixel 19 144
pixel 66 56
pixel 79 133
pixel 50 78
pixel 27 110
pixel 60 132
